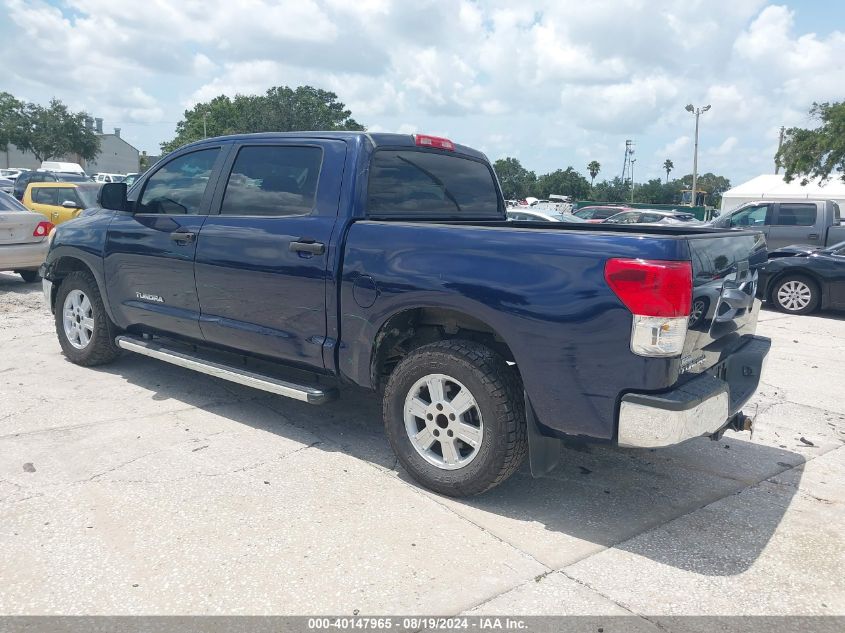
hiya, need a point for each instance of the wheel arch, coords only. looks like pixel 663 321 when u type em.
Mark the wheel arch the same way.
pixel 412 327
pixel 64 263
pixel 806 273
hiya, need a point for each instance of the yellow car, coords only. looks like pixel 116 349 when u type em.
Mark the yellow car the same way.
pixel 60 201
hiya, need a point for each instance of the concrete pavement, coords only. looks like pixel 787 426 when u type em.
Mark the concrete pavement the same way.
pixel 140 487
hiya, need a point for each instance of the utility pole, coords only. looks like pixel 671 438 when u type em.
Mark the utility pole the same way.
pixel 629 151
pixel 697 112
pixel 633 160
pixel 780 144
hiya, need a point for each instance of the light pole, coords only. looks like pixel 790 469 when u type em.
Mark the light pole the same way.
pixel 697 112
pixel 633 160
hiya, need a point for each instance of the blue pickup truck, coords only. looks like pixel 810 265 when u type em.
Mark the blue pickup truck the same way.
pixel 297 263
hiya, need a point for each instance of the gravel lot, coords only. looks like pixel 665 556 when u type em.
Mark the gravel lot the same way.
pixel 141 487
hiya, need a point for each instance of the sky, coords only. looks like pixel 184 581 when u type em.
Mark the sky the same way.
pixel 554 83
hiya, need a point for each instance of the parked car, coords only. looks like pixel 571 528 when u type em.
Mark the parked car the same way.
pixel 386 261
pixel 651 216
pixel 532 215
pixel 101 177
pixel 131 178
pixel 599 213
pixel 63 167
pixel 22 181
pixel 800 279
pixel 12 172
pixel 814 222
pixel 60 201
pixel 6 185
pixel 23 238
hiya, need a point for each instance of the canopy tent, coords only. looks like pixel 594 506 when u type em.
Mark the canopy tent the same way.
pixel 773 187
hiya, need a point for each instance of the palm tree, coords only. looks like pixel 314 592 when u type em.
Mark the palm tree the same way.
pixel 594 167
pixel 668 166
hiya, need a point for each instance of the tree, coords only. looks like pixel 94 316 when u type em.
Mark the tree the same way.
pixel 594 167
pixel 46 132
pixel 280 109
pixel 818 152
pixel 516 181
pixel 650 192
pixel 615 190
pixel 11 111
pixel 668 166
pixel 565 182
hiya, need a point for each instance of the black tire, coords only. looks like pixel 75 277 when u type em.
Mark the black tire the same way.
pixel 101 348
pixel 812 286
pixel 497 391
pixel 29 276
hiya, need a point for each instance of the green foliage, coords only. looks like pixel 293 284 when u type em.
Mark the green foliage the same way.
pixel 668 166
pixel 615 190
pixel 565 182
pixel 516 181
pixel 46 132
pixel 651 192
pixel 818 152
pixel 594 167
pixel 280 109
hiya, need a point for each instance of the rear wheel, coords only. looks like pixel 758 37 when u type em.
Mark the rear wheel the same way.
pixel 85 331
pixel 454 415
pixel 796 295
pixel 29 276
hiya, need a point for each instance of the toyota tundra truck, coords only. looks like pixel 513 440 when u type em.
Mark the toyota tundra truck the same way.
pixel 298 263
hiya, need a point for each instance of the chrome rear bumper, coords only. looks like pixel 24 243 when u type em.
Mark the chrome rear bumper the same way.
pixel 702 406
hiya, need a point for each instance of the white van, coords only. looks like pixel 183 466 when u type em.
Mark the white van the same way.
pixel 66 168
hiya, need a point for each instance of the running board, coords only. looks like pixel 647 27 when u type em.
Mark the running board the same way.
pixel 304 393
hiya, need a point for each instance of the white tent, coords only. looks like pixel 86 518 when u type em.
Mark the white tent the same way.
pixel 773 187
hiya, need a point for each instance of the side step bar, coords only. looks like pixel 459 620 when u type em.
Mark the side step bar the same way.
pixel 304 393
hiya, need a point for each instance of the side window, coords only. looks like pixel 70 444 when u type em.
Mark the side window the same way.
pixel 66 193
pixel 273 181
pixel 752 216
pixel 178 187
pixel 796 214
pixel 44 195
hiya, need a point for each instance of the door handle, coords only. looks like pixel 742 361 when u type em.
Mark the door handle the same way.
pixel 308 246
pixel 183 237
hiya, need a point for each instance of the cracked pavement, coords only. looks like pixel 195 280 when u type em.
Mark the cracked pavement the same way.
pixel 143 488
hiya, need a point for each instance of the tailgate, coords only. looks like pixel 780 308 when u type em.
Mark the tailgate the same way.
pixel 724 308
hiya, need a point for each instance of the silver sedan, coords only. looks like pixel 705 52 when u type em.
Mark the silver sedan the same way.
pixel 23 238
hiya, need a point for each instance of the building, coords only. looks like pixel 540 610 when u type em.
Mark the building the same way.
pixel 116 155
pixel 774 187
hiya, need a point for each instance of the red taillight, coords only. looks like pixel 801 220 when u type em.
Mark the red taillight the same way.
pixel 437 142
pixel 43 229
pixel 651 287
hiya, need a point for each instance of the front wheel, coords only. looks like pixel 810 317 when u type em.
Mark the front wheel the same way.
pixel 796 295
pixel 85 331
pixel 454 415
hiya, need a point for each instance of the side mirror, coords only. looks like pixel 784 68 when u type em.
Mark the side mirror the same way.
pixel 112 196
pixel 70 204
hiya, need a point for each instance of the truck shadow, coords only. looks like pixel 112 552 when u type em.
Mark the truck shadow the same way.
pixel 598 497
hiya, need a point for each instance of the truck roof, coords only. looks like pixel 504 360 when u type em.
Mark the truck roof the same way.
pixel 377 139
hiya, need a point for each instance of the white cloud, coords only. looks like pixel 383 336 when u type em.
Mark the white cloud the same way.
pixel 555 82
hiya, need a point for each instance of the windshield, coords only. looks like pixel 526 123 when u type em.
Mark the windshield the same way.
pixel 67 177
pixel 88 196
pixel 836 249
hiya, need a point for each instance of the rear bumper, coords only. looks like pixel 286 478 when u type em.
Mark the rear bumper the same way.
pixel 702 406
pixel 23 256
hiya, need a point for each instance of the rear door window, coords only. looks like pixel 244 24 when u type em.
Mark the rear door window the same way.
pixel 408 183
pixel 44 195
pixel 273 181
pixel 794 214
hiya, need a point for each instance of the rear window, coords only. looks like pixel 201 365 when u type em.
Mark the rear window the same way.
pixel 8 203
pixel 407 183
